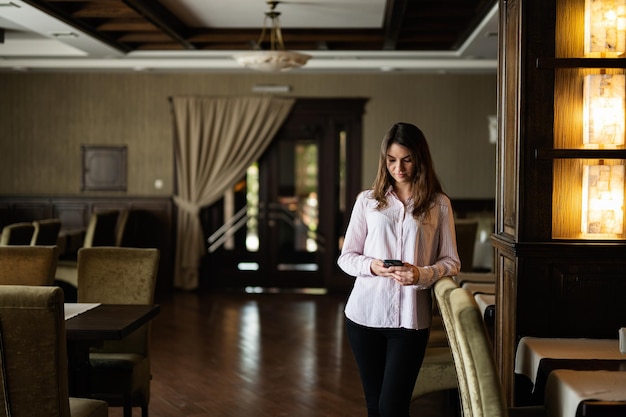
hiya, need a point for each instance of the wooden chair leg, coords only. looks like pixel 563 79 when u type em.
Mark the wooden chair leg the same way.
pixel 128 406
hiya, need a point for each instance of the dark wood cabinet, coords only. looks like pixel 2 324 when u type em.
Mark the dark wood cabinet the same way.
pixel 551 280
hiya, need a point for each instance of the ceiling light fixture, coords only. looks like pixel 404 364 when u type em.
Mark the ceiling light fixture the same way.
pixel 277 58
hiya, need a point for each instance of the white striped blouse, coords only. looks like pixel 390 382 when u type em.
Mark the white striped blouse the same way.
pixel 393 233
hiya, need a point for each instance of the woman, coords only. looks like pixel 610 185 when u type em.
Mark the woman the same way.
pixel 405 216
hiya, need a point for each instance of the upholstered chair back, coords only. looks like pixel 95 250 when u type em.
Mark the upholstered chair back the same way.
pixel 101 230
pixel 28 265
pixel 32 323
pixel 46 232
pixel 34 355
pixel 442 289
pixel 120 228
pixel 483 382
pixel 478 378
pixel 466 242
pixel 17 234
pixel 113 275
pixel 119 275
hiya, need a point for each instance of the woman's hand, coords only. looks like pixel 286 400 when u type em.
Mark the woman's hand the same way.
pixel 406 274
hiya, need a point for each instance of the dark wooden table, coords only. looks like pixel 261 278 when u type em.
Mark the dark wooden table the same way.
pixel 92 328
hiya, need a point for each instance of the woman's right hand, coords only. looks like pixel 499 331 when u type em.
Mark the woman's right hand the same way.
pixel 378 268
pixel 406 274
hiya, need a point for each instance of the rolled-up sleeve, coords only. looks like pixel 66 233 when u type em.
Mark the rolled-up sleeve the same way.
pixel 441 258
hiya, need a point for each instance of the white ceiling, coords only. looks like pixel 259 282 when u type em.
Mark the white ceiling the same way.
pixel 35 41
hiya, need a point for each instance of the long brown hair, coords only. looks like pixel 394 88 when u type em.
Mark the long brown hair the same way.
pixel 425 183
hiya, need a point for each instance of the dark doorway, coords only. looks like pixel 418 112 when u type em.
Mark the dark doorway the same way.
pixel 282 225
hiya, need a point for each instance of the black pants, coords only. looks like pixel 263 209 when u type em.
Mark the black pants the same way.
pixel 389 361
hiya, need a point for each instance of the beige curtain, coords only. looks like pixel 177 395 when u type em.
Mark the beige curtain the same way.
pixel 216 141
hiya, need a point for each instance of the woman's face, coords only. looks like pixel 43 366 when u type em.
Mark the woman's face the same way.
pixel 400 163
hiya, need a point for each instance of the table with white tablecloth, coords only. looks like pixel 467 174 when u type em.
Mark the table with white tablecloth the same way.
pixel 538 357
pixel 569 391
pixel 532 350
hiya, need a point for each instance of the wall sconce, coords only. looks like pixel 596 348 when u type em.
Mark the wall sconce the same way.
pixel 603 110
pixel 605 28
pixel 603 199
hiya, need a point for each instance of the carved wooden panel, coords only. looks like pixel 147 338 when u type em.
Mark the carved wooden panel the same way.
pixel 506 299
pixel 563 293
pixel 508 146
pixel 73 215
pixel 29 210
pixel 104 168
pixel 592 297
pixel 150 222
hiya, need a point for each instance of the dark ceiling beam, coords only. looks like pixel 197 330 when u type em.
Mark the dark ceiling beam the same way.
pixel 483 8
pixel 163 19
pixel 394 16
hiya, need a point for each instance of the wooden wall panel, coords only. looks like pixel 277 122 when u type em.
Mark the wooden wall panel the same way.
pixel 150 222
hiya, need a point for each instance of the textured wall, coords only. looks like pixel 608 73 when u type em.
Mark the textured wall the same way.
pixel 46 117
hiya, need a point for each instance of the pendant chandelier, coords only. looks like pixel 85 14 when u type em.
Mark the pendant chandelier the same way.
pixel 277 58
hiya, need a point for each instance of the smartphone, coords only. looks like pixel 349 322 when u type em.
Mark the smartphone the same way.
pixel 392 262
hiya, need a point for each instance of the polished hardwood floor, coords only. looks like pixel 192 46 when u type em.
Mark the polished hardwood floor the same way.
pixel 234 354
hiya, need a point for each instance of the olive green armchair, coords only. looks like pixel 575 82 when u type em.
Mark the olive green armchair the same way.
pixel 33 355
pixel 479 381
pixel 46 232
pixel 17 234
pixel 28 265
pixel 120 369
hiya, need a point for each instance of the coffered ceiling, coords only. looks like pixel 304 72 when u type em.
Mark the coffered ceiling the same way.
pixel 202 35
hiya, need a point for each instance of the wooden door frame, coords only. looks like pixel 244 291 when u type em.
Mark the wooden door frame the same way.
pixel 329 116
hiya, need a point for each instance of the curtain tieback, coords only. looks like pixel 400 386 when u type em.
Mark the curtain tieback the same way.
pixel 187 206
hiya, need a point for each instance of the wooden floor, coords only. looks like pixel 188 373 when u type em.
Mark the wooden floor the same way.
pixel 258 355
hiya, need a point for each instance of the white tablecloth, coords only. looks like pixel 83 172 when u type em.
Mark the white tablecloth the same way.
pixel 74 309
pixel 480 287
pixel 531 350
pixel 485 301
pixel 482 277
pixel 566 388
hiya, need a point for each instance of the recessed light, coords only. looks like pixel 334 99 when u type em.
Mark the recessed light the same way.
pixel 271 88
pixel 64 34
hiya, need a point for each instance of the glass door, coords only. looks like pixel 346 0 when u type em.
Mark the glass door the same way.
pixel 289 216
pixel 281 227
